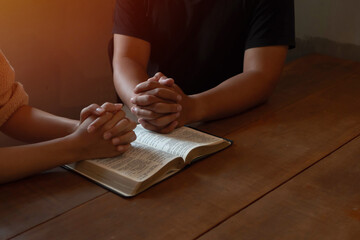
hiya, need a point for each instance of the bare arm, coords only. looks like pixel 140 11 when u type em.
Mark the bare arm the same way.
pixel 20 161
pixel 262 69
pixel 131 56
pixel 110 135
pixel 32 125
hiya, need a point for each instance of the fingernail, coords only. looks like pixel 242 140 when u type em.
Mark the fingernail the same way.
pixel 107 136
pixel 179 97
pixel 132 100
pixel 99 110
pixel 177 115
pixel 179 108
pixel 91 129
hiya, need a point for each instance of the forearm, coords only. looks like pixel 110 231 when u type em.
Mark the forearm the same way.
pixel 127 74
pixel 233 96
pixel 21 161
pixel 29 124
pixel 261 72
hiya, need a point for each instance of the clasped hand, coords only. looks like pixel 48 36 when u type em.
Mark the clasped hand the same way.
pixel 104 131
pixel 159 104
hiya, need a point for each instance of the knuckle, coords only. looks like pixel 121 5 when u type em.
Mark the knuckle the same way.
pixel 148 84
pixel 135 100
pixel 83 111
pixel 158 106
pixel 147 98
pixel 146 113
pixel 106 105
pixel 139 111
pixel 157 91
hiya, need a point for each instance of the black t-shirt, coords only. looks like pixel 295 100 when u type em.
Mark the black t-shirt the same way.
pixel 201 43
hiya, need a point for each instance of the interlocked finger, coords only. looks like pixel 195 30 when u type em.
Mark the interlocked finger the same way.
pixel 100 121
pixel 88 111
pixel 167 129
pixel 164 107
pixel 164 120
pixel 124 139
pixel 113 121
pixel 144 113
pixel 121 127
pixel 145 100
pixel 110 107
pixel 164 93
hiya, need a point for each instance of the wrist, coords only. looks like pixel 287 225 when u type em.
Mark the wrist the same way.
pixel 74 124
pixel 72 148
pixel 196 110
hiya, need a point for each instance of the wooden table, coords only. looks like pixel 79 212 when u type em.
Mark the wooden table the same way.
pixel 293 172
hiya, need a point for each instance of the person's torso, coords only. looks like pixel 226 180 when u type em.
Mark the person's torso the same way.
pixel 199 43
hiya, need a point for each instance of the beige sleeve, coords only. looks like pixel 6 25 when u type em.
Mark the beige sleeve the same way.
pixel 12 94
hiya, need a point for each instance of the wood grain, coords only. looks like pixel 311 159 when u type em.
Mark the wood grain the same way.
pixel 321 203
pixel 29 202
pixel 265 154
pixel 300 78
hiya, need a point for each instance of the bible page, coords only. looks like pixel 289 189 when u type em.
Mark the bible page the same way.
pixel 139 162
pixel 179 142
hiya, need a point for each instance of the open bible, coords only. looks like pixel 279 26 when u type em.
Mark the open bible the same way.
pixel 152 158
